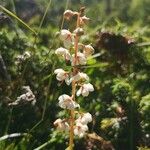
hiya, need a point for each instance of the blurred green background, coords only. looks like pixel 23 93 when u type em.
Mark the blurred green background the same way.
pixel 119 30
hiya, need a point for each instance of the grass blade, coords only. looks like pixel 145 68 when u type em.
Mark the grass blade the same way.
pixel 17 18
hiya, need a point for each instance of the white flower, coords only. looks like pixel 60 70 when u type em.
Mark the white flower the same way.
pixel 68 14
pixel 61 125
pixel 80 129
pixel 80 76
pixel 63 52
pixel 66 102
pixel 84 119
pixel 27 54
pixel 80 59
pixel 88 50
pixel 79 31
pixel 85 89
pixel 84 20
pixel 66 37
pixel 62 75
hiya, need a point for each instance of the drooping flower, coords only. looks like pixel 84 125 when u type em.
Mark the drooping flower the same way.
pixel 85 89
pixel 68 14
pixel 79 31
pixel 80 129
pixel 84 118
pixel 61 125
pixel 79 60
pixel 84 20
pixel 63 52
pixel 80 76
pixel 66 102
pixel 66 37
pixel 88 50
pixel 62 75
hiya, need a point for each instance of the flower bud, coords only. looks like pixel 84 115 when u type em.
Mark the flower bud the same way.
pixel 61 125
pixel 79 31
pixel 84 20
pixel 88 50
pixel 65 35
pixel 68 14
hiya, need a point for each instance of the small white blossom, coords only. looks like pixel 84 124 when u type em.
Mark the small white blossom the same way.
pixel 88 50
pixel 79 60
pixel 63 52
pixel 23 57
pixel 66 102
pixel 66 37
pixel 27 97
pixel 80 129
pixel 61 125
pixel 62 75
pixel 84 20
pixel 80 76
pixel 79 31
pixel 68 14
pixel 85 89
pixel 84 119
pixel 27 54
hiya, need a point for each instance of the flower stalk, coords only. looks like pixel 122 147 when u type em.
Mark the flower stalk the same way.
pixel 76 125
pixel 72 112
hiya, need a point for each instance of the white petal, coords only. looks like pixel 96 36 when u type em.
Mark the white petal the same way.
pixel 56 71
pixel 85 93
pixel 64 34
pixel 67 80
pixel 79 92
pixel 67 43
pixel 89 86
pixel 64 96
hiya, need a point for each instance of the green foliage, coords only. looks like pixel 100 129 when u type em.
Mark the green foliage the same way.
pixel 121 90
pixel 120 104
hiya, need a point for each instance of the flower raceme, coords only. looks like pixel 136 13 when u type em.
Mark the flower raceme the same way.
pixel 77 53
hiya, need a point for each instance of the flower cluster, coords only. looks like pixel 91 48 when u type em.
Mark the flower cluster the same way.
pixel 77 53
pixel 22 58
pixel 27 97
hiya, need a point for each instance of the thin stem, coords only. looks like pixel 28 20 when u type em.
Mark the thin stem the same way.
pixel 72 112
pixel 63 19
